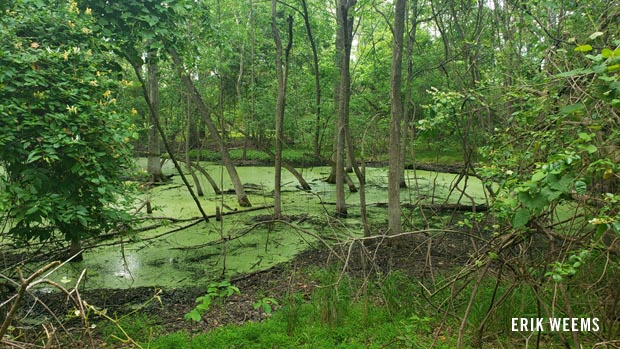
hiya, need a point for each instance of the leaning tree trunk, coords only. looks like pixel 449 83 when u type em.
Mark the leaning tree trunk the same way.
pixel 153 166
pixel 188 160
pixel 137 69
pixel 242 198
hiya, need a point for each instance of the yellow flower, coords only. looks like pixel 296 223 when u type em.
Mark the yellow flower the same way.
pixel 86 30
pixel 107 94
pixel 72 109
pixel 93 83
pixel 126 83
pixel 73 7
pixel 134 111
pixel 88 11
pixel 65 55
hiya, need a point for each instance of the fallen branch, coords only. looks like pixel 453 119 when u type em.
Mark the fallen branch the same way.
pixel 195 221
pixel 442 207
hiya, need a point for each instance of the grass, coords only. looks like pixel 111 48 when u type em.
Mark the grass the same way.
pixel 336 316
pixel 425 152
pixel 385 311
pixel 292 156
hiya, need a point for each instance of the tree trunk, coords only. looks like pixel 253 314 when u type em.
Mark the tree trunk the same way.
pixel 137 68
pixel 346 29
pixel 280 104
pixel 153 166
pixel 338 58
pixel 316 141
pixel 188 161
pixel 76 249
pixel 407 120
pixel 210 179
pixel 395 171
pixel 242 198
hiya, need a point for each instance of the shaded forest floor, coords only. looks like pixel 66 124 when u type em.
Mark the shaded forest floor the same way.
pixel 165 309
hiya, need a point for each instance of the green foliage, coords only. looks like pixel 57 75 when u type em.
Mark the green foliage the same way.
pixel 63 138
pixel 331 298
pixel 561 270
pixel 139 327
pixel 216 291
pixel 397 292
pixel 132 23
pixel 265 303
pixel 365 324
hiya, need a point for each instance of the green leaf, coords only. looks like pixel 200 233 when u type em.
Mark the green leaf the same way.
pixel 595 35
pixel 535 202
pixel 575 72
pixel 569 109
pixel 581 187
pixel 537 176
pixel 583 48
pixel 521 217
pixel 616 227
pixel 585 136
pixel 193 315
pixel 613 68
pixel 590 148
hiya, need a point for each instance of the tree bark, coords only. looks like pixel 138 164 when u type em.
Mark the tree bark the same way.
pixel 346 30
pixel 316 140
pixel 282 73
pixel 153 166
pixel 242 198
pixel 188 161
pixel 395 171
pixel 137 68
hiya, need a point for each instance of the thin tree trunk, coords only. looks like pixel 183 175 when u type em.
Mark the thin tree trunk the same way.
pixel 395 170
pixel 166 144
pixel 346 29
pixel 242 198
pixel 302 182
pixel 188 161
pixel 204 172
pixel 407 101
pixel 338 58
pixel 316 141
pixel 280 104
pixel 153 166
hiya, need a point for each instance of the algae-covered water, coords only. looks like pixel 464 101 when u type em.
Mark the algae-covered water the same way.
pixel 196 255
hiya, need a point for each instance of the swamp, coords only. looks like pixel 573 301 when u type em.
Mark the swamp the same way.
pixel 309 174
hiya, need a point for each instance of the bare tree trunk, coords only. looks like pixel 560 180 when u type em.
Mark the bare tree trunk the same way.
pixel 346 29
pixel 395 171
pixel 153 166
pixel 137 68
pixel 280 104
pixel 210 179
pixel 242 198
pixel 337 83
pixel 407 120
pixel 316 140
pixel 188 161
